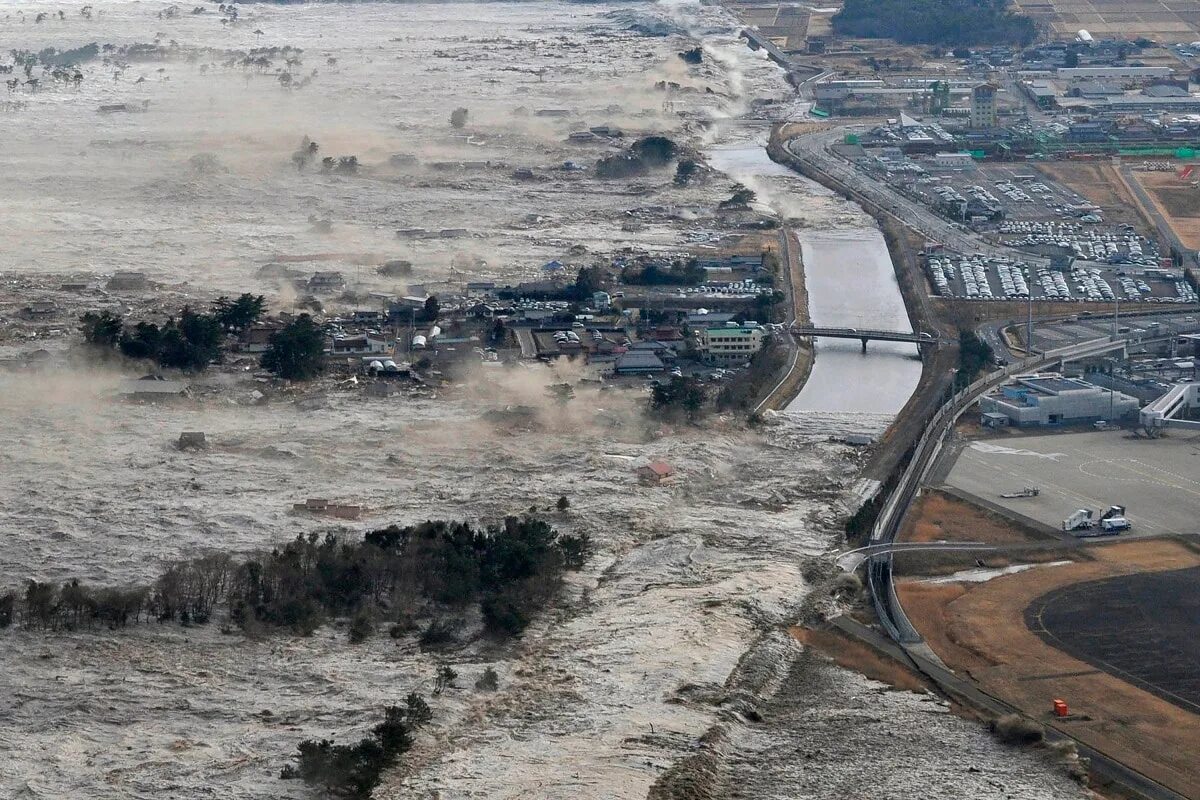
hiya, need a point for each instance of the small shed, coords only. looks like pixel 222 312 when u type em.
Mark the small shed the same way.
pixel 993 419
pixel 656 473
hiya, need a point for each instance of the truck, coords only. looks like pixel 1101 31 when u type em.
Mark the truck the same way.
pixel 1080 520
pixel 1113 520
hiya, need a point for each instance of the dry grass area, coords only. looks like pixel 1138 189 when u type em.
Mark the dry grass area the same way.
pixel 938 516
pixel 1177 200
pixel 979 630
pixel 854 655
pixel 1100 183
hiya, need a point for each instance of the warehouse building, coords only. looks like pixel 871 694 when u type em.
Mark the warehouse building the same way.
pixel 1098 73
pixel 1050 399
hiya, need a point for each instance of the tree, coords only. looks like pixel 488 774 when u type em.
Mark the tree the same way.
pixel 685 171
pixel 445 679
pixel 681 395
pixel 458 117
pixel 1071 60
pixel 974 354
pixel 191 343
pixel 655 151
pixel 563 503
pixel 102 330
pixel 144 342
pixel 297 352
pixel 361 628
pixel 620 165
pixel 588 281
pixel 306 153
pixel 489 681
pixel 431 310
pixel 741 198
pixel 237 315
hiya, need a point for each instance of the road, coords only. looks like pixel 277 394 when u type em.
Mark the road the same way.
pixel 891 516
pixel 966 692
pixel 814 149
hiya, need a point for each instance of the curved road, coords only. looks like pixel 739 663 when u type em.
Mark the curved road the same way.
pixel 814 148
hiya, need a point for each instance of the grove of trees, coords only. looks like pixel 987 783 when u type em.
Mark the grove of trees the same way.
pixel 188 342
pixel 297 351
pixel 436 569
pixel 974 355
pixel 353 771
pixel 677 273
pixel 681 397
pixel 954 23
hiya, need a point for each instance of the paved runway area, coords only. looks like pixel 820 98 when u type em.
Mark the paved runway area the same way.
pixel 1157 480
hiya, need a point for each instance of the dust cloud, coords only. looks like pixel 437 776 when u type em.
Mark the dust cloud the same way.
pixel 672 627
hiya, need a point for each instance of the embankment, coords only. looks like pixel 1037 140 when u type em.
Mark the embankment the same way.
pixel 938 365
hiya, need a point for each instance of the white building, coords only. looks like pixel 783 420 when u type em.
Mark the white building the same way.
pixel 729 345
pixel 962 161
pixel 360 345
pixel 983 106
pixel 1112 73
pixel 1050 399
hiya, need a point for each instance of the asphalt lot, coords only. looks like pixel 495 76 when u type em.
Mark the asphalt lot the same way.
pixel 1141 628
pixel 1064 333
pixel 1157 480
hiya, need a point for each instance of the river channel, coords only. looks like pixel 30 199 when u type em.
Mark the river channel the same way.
pixel 851 284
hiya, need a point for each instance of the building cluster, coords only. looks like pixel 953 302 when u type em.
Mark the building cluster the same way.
pixel 1081 95
pixel 1046 399
pixel 618 331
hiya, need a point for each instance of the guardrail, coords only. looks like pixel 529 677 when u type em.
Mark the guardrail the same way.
pixel 928 448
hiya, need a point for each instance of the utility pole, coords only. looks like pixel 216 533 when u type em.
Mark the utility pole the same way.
pixel 1029 327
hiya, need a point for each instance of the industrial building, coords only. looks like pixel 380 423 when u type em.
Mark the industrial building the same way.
pixel 1051 399
pixel 1099 73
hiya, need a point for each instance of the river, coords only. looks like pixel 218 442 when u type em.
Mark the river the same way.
pixel 851 283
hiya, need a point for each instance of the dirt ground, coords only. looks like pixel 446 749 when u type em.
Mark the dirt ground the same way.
pixel 1116 19
pixel 1100 184
pixel 979 630
pixel 850 654
pixel 1177 200
pixel 936 516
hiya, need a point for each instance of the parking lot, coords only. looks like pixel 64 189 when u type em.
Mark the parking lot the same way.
pixel 1019 192
pixel 1088 241
pixel 1157 480
pixel 983 278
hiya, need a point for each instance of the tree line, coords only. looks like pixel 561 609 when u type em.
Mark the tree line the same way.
pixel 193 340
pixel 190 341
pixel 435 569
pixel 954 23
